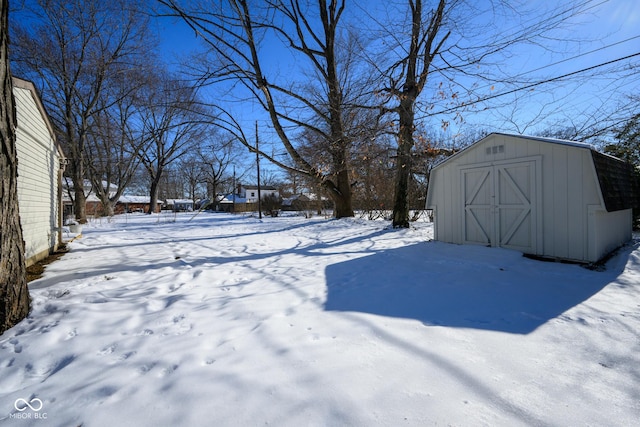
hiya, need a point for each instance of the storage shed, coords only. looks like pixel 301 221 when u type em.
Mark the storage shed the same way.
pixel 39 174
pixel 541 196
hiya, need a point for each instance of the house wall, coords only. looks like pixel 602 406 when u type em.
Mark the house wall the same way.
pixel 250 192
pixel 567 188
pixel 38 179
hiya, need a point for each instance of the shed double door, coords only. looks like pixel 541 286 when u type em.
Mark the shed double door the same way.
pixel 501 205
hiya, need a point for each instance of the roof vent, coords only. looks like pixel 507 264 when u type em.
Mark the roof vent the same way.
pixel 495 149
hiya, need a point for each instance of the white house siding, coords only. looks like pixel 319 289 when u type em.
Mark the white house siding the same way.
pixel 568 216
pixel 38 168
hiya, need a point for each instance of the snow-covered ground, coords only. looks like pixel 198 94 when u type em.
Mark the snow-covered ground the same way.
pixel 220 320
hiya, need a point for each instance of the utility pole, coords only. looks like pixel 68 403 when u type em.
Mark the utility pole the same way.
pixel 233 191
pixel 258 170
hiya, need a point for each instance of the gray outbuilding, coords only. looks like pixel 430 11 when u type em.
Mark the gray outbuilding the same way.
pixel 544 197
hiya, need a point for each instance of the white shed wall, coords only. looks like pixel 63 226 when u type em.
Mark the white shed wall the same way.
pixel 38 166
pixel 606 233
pixel 568 186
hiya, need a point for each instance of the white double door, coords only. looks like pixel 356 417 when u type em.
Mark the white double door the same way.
pixel 501 205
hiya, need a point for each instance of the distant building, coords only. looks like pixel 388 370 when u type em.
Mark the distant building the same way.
pixel 245 198
pixel 131 204
pixel 250 192
pixel 178 205
pixel 93 204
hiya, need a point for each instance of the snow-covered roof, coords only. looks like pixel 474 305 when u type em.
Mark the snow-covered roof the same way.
pixel 233 198
pixel 135 199
pixel 68 183
pixel 179 201
pixel 92 198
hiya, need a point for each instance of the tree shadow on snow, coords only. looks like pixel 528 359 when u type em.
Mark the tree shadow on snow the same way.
pixel 463 286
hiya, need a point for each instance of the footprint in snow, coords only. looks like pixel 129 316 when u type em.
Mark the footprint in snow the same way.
pixel 146 367
pixel 167 371
pixel 8 363
pixel 108 350
pixel 17 347
pixel 127 355
pixel 71 334
pixel 174 287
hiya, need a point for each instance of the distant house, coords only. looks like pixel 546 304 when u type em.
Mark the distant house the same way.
pixel 125 204
pixel 129 204
pixel 178 205
pixel 245 198
pixel 250 192
pixel 40 166
pixel 541 196
pixel 93 204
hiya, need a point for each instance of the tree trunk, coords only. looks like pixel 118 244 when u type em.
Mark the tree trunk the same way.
pixel 79 201
pixel 107 208
pixel 153 196
pixel 14 295
pixel 403 166
pixel 343 206
pixel 401 204
pixel 422 39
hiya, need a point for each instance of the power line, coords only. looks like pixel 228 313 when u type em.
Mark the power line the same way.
pixel 529 86
pixel 570 58
pixel 577 56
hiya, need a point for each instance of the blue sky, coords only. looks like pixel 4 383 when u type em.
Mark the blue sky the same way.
pixel 611 29
pixel 607 25
pixel 605 28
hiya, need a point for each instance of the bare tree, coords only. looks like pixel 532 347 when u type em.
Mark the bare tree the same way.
pixel 316 104
pixel 14 295
pixel 425 42
pixel 373 176
pixel 74 48
pixel 113 142
pixel 191 172
pixel 444 40
pixel 215 158
pixel 430 147
pixel 173 183
pixel 172 124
